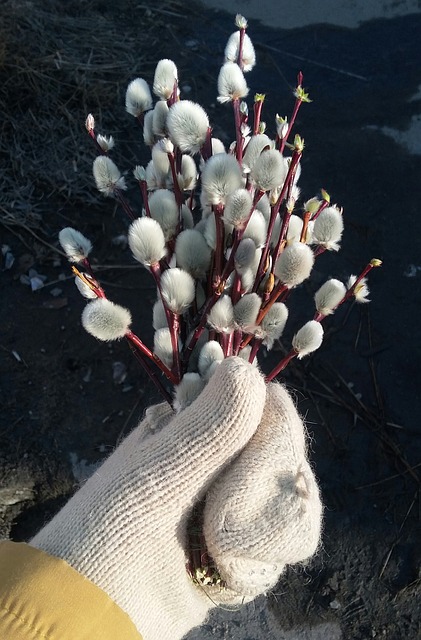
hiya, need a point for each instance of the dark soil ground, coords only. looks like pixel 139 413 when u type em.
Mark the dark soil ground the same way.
pixel 63 408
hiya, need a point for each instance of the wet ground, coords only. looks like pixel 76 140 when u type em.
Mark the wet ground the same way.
pixel 64 406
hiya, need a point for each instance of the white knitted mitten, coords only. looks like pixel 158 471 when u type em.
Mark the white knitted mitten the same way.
pixel 125 529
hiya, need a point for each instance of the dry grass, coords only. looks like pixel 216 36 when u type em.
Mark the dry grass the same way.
pixel 50 78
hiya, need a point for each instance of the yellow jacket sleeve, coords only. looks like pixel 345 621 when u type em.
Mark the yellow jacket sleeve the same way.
pixel 43 598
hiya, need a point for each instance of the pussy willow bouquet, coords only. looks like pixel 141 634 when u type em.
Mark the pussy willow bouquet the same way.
pixel 221 231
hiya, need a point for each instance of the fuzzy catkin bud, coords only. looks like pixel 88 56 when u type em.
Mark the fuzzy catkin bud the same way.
pixel 161 164
pixel 210 354
pixel 105 142
pixel 159 317
pixel 177 289
pixel 256 228
pixel 188 126
pixel 164 209
pixel 159 118
pixel 221 316
pixel 221 176
pixel 361 291
pixel 232 84
pixel 188 390
pixel 146 241
pixel 148 134
pixel 84 290
pixel 308 338
pixel 246 311
pixel 294 264
pixel 166 75
pixel 163 346
pixel 254 149
pixel 188 177
pixel 273 323
pixel 74 244
pixel 244 256
pixel 138 97
pixel 238 207
pixel 328 228
pixel 248 58
pixel 329 296
pixel 192 253
pixel 269 172
pixel 105 320
pixel 107 176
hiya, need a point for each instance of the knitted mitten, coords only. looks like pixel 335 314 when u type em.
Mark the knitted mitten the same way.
pixel 125 529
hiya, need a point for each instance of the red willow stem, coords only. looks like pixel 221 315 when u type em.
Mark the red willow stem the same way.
pixel 174 333
pixel 297 105
pixel 296 156
pixel 125 204
pixel 322 207
pixel 206 150
pixel 144 363
pixel 238 134
pixel 254 349
pixel 278 290
pixel 144 191
pixel 92 135
pixel 177 191
pixel 282 364
pixel 257 111
pixel 218 211
pixel 137 342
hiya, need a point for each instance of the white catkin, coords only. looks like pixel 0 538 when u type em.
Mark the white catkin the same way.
pixel 254 149
pixel 247 280
pixel 269 171
pixel 248 57
pixel 308 338
pixel 107 176
pixel 232 84
pixel 105 320
pixel 159 317
pixel 84 290
pixel 74 244
pixel 221 316
pixel 151 177
pixel 294 229
pixel 187 217
pixel 294 265
pixel 361 291
pixel 328 228
pixel 163 346
pixel 146 241
pixel 264 206
pixel 161 164
pixel 177 289
pixel 273 324
pixel 246 311
pixel 188 177
pixel 221 176
pixel 188 125
pixel 192 253
pixel 164 209
pixel 238 207
pixel 148 134
pixel 245 354
pixel 244 255
pixel 138 97
pixel 210 353
pixel 256 228
pixel 105 142
pixel 188 390
pixel 159 119
pixel 166 75
pixel 329 296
